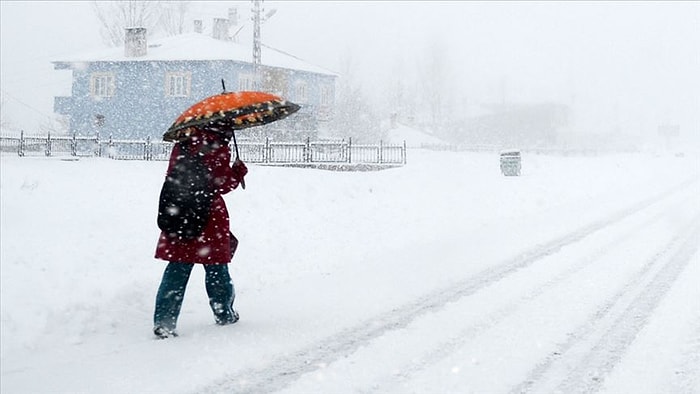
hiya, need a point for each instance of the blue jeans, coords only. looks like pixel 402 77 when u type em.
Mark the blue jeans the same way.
pixel 171 293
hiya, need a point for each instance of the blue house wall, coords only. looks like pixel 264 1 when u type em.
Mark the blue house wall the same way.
pixel 140 108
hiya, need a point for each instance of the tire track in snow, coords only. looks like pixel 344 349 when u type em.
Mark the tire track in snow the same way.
pixel 688 373
pixel 614 330
pixel 445 348
pixel 283 370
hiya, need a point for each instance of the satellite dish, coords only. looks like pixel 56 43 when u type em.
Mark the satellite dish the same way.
pixel 270 13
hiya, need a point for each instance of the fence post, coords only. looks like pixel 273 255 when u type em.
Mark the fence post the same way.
pixel 403 152
pixel 20 150
pixel 381 151
pixel 307 150
pixel 48 144
pixel 110 147
pixel 266 150
pixel 74 146
pixel 98 147
pixel 349 149
pixel 146 149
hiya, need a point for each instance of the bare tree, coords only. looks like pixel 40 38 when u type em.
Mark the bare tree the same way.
pixel 172 17
pixel 400 90
pixel 354 116
pixel 435 82
pixel 115 16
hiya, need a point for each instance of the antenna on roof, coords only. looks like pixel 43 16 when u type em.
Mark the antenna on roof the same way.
pixel 223 85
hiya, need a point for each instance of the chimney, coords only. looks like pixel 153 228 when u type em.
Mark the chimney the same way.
pixel 135 42
pixel 233 16
pixel 198 28
pixel 233 24
pixel 220 29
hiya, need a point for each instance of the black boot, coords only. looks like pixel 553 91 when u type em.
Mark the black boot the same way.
pixel 226 320
pixel 164 333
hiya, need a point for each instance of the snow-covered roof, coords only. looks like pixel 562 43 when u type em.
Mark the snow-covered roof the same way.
pixel 196 46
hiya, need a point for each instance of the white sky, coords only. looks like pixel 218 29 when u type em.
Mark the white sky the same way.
pixel 627 65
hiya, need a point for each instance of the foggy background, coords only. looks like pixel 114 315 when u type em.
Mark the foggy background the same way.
pixel 621 69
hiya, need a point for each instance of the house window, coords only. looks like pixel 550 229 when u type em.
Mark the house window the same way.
pixel 300 92
pixel 102 84
pixel 326 96
pixel 177 84
pixel 246 82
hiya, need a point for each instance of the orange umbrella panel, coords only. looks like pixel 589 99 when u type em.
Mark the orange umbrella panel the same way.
pixel 231 111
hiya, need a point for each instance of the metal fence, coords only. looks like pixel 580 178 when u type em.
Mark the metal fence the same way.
pixel 343 151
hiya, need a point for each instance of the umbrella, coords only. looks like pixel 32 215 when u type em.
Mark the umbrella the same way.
pixel 231 111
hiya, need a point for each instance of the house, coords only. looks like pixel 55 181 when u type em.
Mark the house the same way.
pixel 139 90
pixel 514 125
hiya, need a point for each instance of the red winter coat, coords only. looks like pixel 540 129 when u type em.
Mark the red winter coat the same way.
pixel 213 246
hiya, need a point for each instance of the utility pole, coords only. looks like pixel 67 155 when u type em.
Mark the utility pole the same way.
pixel 257 50
pixel 257 9
pixel 258 19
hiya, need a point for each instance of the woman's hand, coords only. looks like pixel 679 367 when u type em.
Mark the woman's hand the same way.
pixel 239 170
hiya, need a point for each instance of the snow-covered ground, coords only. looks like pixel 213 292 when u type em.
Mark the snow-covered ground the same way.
pixel 442 276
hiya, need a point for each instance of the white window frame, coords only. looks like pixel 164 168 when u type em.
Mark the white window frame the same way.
pixel 301 92
pixel 102 84
pixel 246 82
pixel 325 96
pixel 178 83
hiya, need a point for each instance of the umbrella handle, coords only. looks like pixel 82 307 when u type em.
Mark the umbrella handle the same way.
pixel 235 146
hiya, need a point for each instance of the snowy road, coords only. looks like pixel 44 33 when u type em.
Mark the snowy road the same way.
pixel 440 277
pixel 613 274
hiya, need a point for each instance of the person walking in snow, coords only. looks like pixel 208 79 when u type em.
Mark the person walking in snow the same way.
pixel 213 248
